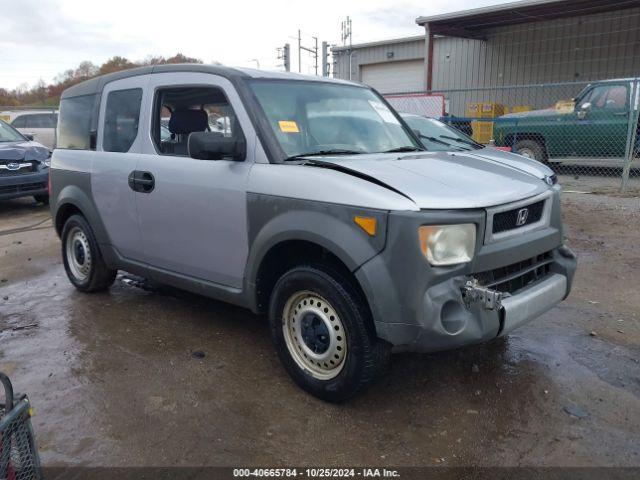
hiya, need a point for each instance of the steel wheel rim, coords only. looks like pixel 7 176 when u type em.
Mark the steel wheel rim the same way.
pixel 78 254
pixel 306 319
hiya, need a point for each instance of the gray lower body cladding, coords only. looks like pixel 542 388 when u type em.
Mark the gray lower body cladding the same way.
pixel 421 308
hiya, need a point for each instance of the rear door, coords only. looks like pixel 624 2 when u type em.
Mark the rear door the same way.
pixel 117 155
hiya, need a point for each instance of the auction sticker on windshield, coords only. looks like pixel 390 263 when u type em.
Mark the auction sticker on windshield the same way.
pixel 382 110
pixel 287 126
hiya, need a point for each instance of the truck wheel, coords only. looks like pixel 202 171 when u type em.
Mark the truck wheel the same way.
pixel 323 333
pixel 530 149
pixel 82 259
pixel 41 199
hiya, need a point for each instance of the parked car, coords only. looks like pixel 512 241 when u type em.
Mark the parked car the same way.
pixel 37 125
pixel 24 166
pixel 596 125
pixel 321 209
pixel 458 123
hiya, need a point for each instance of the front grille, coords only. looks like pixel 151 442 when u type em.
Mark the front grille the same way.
pixel 25 187
pixel 518 275
pixel 5 172
pixel 508 220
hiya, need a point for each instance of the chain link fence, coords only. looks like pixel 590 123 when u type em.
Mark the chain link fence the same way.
pixel 586 132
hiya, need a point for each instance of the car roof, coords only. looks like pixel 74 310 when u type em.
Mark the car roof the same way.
pixel 95 85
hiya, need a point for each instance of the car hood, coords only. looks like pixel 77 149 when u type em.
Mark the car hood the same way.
pixel 28 151
pixel 444 180
pixel 531 114
pixel 513 160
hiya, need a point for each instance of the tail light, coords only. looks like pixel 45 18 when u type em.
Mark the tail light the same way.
pixel 49 182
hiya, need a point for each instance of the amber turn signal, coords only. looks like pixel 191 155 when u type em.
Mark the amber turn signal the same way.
pixel 368 224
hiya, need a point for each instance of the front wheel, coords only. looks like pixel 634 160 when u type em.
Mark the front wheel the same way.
pixel 323 333
pixel 82 259
pixel 530 149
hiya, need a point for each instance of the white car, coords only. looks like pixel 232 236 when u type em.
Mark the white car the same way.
pixel 37 125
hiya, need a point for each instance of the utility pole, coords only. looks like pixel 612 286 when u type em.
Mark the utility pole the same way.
pixel 284 54
pixel 325 59
pixel 347 35
pixel 313 51
pixel 299 52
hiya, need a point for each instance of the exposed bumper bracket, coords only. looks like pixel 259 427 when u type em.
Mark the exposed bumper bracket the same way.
pixel 488 299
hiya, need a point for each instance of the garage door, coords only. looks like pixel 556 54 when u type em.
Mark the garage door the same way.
pixel 395 77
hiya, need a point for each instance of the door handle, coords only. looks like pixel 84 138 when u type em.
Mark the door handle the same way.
pixel 620 114
pixel 140 181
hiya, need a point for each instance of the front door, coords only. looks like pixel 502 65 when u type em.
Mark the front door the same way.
pixel 194 219
pixel 600 121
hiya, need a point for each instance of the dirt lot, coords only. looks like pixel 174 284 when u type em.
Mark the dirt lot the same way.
pixel 114 381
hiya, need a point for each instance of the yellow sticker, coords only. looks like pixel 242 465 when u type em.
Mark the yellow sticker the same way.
pixel 288 126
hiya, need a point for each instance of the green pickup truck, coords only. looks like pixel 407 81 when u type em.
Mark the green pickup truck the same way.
pixel 595 125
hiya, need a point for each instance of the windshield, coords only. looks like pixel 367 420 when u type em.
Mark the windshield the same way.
pixel 9 134
pixel 322 118
pixel 438 136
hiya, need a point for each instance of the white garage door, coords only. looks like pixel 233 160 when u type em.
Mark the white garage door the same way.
pixel 395 77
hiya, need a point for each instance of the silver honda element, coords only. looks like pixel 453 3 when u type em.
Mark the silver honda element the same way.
pixel 308 200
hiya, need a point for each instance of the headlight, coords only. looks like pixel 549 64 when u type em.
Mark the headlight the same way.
pixel 448 244
pixel 47 161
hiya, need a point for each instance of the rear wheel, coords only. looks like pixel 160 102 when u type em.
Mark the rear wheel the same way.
pixel 82 259
pixel 530 149
pixel 323 333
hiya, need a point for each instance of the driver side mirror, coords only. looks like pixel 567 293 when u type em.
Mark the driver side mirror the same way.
pixel 28 136
pixel 584 108
pixel 215 146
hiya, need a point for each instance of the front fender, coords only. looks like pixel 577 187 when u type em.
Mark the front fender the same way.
pixel 273 220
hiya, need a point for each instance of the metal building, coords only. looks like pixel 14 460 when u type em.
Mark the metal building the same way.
pixel 514 44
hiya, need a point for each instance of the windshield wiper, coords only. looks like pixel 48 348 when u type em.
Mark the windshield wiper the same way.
pixel 461 140
pixel 407 148
pixel 335 151
pixel 436 140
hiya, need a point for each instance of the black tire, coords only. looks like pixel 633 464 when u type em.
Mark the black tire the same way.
pixel 364 354
pixel 531 149
pixel 41 199
pixel 98 276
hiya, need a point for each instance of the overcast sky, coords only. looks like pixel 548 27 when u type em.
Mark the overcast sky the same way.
pixel 42 38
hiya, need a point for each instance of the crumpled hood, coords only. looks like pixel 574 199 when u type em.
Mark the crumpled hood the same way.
pixel 27 151
pixel 443 180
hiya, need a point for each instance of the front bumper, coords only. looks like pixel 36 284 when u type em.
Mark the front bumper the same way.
pixel 24 185
pixel 417 307
pixel 452 314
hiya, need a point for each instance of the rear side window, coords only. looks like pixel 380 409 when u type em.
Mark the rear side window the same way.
pixel 43 120
pixel 74 125
pixel 122 115
pixel 20 122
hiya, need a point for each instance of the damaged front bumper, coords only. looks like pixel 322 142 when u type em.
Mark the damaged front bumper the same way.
pixel 461 310
pixel 515 310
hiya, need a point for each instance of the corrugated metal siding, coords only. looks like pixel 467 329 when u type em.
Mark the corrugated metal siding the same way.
pixel 579 49
pixel 410 50
pixel 582 48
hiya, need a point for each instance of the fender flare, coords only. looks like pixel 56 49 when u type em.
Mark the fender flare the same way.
pixel 347 242
pixel 74 195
